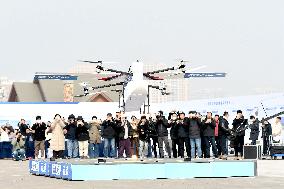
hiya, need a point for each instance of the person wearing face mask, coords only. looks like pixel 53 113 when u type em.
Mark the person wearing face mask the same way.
pixel 57 142
pixel 38 129
pixel 194 132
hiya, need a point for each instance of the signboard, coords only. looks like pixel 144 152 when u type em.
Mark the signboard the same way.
pixel 51 169
pixel 189 75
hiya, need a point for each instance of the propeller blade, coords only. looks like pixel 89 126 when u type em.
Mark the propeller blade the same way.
pixel 92 62
pixel 195 69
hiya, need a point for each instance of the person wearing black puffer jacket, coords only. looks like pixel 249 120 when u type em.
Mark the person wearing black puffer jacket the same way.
pixel 209 135
pixel 109 133
pixel 162 129
pixel 174 133
pixel 183 137
pixel 83 137
pixel 194 127
pixel 70 135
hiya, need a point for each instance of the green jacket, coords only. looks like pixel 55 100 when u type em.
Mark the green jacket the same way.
pixel 18 145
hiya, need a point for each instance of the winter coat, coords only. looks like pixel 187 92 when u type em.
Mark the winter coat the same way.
pixel 57 141
pixel 162 127
pixel 94 133
pixel 121 130
pixel 194 125
pixel 23 129
pixel 82 132
pixel 153 130
pixel 71 131
pixel 174 130
pixel 143 130
pixel 182 128
pixel 239 126
pixel 223 129
pixel 18 144
pixel 108 129
pixel 209 128
pixel 254 130
pixel 39 129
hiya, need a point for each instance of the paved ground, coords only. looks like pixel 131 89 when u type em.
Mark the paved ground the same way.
pixel 14 175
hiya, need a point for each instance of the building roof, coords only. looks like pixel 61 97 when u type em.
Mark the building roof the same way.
pixel 45 90
pixel 25 92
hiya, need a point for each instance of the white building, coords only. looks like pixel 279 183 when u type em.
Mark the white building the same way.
pixel 5 87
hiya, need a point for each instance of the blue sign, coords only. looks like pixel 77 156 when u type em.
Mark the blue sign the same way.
pixel 55 77
pixel 51 169
pixel 189 75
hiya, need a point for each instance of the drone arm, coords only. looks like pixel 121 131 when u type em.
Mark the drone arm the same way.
pixel 109 85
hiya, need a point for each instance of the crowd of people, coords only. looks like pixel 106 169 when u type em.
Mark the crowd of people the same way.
pixel 191 136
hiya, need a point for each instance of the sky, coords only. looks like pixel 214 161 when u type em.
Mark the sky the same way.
pixel 244 38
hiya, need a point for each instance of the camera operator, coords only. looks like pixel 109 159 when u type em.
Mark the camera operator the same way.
pixel 153 135
pixel 57 142
pixel 174 133
pixel 23 127
pixel 83 137
pixel 183 135
pixel 109 134
pixel 38 129
pixel 223 132
pixel 124 131
pixel 143 130
pixel 18 147
pixel 239 124
pixel 161 126
pixel 266 133
pixel 254 130
pixel 209 135
pixel 194 133
pixel 95 137
pixel 70 134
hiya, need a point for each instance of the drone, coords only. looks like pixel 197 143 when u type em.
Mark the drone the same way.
pixel 134 81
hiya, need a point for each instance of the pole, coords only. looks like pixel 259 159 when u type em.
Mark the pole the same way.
pixel 148 98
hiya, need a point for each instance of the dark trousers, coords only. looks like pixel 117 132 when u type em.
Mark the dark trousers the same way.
pixel 58 154
pixel 223 144
pixel 174 147
pixel 253 142
pixel 218 145
pixel 239 145
pixel 154 146
pixel 181 142
pixel 124 145
pixel 210 141
pixel 266 144
pixel 165 140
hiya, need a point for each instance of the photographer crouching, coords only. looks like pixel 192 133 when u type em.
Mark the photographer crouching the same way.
pixel 18 148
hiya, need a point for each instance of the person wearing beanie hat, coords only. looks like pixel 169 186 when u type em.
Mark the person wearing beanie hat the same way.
pixel 57 142
pixel 39 137
pixel 70 136
pixel 83 137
